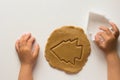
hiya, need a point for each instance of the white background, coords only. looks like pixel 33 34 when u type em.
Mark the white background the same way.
pixel 41 17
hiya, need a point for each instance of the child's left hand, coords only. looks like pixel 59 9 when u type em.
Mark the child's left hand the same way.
pixel 27 52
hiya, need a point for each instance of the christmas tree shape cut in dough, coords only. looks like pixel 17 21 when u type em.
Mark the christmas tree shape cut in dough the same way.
pixel 68 51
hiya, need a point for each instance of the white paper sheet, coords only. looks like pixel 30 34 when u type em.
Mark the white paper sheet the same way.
pixel 94 22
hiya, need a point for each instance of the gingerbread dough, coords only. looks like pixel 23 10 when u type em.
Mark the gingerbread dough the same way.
pixel 67 49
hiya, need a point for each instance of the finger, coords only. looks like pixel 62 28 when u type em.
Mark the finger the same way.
pixel 27 36
pixel 22 37
pixel 22 42
pixel 31 41
pixel 36 50
pixel 103 36
pixel 115 29
pixel 97 40
pixel 105 29
pixel 17 46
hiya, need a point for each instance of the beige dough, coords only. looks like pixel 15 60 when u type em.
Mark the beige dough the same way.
pixel 67 49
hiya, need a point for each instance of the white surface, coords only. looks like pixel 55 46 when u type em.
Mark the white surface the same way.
pixel 41 17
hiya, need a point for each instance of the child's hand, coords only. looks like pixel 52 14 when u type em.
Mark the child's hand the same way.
pixel 106 39
pixel 27 50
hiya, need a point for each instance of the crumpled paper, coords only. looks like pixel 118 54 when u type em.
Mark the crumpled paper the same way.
pixel 94 22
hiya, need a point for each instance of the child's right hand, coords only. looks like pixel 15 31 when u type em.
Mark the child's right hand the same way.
pixel 106 39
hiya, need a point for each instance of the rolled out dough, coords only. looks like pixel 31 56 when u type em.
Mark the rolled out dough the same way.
pixel 67 49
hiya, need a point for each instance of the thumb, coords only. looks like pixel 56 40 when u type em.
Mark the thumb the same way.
pixel 97 41
pixel 36 50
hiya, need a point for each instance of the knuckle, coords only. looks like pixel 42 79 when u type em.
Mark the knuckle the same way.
pixel 107 29
pixel 108 38
pixel 25 49
pixel 103 47
pixel 116 35
pixel 22 41
pixel 33 38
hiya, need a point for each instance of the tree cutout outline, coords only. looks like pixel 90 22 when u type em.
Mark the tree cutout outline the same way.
pixel 61 56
